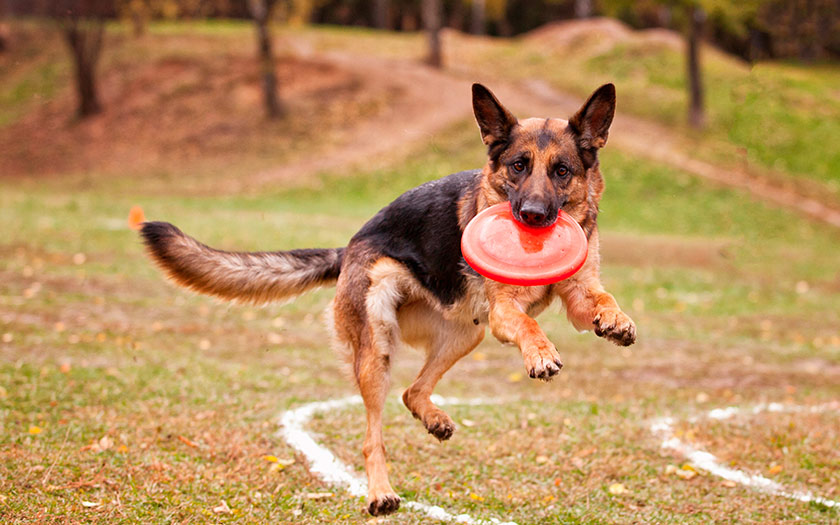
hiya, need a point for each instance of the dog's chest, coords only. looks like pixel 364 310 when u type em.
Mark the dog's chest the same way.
pixel 474 307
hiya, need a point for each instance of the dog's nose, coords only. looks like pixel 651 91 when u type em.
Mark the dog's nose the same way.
pixel 533 213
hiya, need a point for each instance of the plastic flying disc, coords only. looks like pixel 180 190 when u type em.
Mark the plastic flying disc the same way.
pixel 501 248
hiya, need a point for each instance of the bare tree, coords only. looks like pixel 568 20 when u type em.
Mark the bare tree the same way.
pixel 583 8
pixel 478 17
pixel 83 25
pixel 696 111
pixel 380 13
pixel 4 30
pixel 432 22
pixel 261 11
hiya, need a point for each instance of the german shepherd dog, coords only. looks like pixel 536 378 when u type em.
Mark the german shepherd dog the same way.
pixel 402 278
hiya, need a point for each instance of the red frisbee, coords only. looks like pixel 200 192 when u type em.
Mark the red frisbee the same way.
pixel 501 248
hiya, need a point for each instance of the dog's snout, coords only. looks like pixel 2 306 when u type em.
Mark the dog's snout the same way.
pixel 533 213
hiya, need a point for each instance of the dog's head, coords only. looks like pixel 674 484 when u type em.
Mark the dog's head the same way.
pixel 544 165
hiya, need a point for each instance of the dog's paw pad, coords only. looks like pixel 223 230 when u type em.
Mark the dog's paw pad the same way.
pixel 440 426
pixel 542 362
pixel 384 505
pixel 615 326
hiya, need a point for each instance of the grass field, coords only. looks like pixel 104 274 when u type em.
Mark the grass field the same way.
pixel 123 399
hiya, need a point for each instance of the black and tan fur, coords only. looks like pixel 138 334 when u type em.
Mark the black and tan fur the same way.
pixel 402 278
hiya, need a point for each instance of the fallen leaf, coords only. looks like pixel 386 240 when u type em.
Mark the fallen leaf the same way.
pixel 136 218
pixel 618 489
pixel 557 482
pixel 479 356
pixel 64 368
pixel 586 452
pixel 90 504
pixel 187 442
pixel 222 508
pixel 105 443
pixel 774 469
pixel 318 495
pixel 468 422
pixel 728 483
pixel 35 430
pixel 272 459
pixel 686 474
pixel 514 377
pixel 476 497
pixel 541 459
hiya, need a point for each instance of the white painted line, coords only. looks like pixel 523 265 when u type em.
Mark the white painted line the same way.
pixel 329 468
pixel 664 428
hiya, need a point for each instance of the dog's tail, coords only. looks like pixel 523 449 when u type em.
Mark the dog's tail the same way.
pixel 249 277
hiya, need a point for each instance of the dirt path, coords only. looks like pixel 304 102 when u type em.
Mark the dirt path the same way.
pixel 430 100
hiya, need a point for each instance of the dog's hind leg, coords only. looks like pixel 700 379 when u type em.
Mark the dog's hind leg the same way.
pixel 377 334
pixel 445 343
pixel 373 376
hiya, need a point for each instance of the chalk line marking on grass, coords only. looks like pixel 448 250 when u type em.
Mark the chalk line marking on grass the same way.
pixel 664 428
pixel 329 468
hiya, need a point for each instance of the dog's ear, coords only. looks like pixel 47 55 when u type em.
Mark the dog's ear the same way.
pixel 592 122
pixel 494 121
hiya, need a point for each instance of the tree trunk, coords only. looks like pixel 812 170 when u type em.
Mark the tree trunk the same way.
pixel 260 10
pixel 431 22
pixel 138 23
pixel 696 112
pixel 4 29
pixel 478 18
pixel 380 13
pixel 84 37
pixel 583 8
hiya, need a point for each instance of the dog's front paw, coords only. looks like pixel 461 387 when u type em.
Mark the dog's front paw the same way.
pixel 542 360
pixel 439 424
pixel 616 326
pixel 384 504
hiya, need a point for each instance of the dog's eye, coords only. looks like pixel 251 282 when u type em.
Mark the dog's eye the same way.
pixel 518 166
pixel 562 171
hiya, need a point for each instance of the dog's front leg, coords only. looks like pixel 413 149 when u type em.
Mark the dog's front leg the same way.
pixel 510 323
pixel 589 306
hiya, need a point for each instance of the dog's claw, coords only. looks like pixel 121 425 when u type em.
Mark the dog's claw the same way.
pixel 384 505
pixel 542 362
pixel 442 431
pixel 615 326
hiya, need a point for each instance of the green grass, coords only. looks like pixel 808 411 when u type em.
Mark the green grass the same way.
pixel 33 75
pixel 149 363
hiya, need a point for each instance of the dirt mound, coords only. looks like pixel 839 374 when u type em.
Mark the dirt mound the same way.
pixel 182 107
pixel 597 35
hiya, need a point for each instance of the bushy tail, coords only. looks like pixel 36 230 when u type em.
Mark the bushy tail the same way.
pixel 250 277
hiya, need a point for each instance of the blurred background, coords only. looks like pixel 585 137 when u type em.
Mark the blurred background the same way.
pixel 279 124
